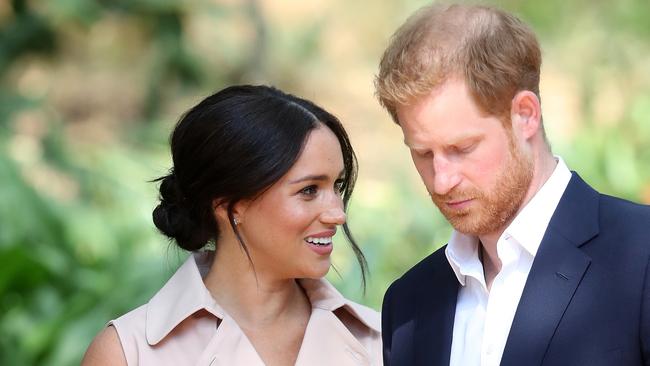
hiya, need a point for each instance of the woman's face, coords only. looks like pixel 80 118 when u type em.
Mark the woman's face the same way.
pixel 288 229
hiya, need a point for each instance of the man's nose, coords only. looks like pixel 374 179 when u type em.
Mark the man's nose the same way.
pixel 445 176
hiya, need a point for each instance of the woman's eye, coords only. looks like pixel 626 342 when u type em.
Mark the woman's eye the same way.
pixel 339 185
pixel 309 190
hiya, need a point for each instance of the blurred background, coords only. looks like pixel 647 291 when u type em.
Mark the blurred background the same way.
pixel 90 89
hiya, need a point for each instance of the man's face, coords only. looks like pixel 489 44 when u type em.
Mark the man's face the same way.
pixel 475 170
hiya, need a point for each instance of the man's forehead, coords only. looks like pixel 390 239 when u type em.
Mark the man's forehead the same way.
pixel 449 87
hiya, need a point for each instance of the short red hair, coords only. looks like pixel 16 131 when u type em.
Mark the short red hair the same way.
pixel 494 52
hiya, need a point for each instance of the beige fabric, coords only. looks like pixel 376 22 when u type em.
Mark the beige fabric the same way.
pixel 183 325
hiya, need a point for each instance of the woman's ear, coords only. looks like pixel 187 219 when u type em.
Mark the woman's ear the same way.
pixel 220 210
pixel 526 114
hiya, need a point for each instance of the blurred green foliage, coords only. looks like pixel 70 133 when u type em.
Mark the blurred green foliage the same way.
pixel 90 89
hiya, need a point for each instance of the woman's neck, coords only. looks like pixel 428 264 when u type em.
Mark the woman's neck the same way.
pixel 251 295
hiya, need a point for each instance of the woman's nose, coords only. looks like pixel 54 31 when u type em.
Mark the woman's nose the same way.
pixel 334 214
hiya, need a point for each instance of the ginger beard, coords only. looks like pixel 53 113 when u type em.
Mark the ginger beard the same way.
pixel 492 209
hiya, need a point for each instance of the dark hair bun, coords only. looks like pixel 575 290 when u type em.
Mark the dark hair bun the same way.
pixel 173 219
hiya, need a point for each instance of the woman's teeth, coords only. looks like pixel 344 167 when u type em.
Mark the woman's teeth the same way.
pixel 320 241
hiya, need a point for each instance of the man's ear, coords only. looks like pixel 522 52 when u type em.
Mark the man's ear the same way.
pixel 526 114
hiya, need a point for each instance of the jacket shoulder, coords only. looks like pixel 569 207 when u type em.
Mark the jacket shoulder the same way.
pixel 626 211
pixel 626 222
pixel 432 266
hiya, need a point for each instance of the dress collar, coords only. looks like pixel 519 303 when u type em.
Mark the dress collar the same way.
pixel 323 295
pixel 185 294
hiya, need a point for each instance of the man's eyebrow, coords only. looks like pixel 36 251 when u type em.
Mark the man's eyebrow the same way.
pixel 315 177
pixel 457 139
pixel 411 146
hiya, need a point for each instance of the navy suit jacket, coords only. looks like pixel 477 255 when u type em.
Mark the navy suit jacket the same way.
pixel 586 300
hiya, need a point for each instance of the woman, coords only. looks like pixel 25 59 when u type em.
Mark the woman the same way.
pixel 263 177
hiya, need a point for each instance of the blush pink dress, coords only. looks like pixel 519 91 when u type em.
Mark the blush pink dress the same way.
pixel 183 325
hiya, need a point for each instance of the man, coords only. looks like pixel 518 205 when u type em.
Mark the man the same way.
pixel 541 269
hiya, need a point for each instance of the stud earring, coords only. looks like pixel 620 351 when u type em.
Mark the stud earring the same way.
pixel 236 221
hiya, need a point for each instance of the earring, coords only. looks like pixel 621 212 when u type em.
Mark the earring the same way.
pixel 235 221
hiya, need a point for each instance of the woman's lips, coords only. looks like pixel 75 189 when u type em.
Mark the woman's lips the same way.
pixel 321 243
pixel 322 249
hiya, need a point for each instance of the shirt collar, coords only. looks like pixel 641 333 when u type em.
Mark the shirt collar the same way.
pixel 185 294
pixel 462 254
pixel 527 228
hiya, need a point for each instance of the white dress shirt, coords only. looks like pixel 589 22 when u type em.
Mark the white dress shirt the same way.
pixel 483 319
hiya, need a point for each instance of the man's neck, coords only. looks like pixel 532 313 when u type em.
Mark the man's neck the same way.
pixel 491 265
pixel 544 166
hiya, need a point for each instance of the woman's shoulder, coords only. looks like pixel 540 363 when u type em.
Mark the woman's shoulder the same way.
pixel 121 335
pixel 105 349
pixel 134 333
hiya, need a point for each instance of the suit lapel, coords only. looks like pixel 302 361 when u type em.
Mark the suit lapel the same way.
pixel 553 279
pixel 557 270
pixel 436 308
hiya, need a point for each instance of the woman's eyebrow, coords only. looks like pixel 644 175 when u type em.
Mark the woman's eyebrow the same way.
pixel 315 177
pixel 309 178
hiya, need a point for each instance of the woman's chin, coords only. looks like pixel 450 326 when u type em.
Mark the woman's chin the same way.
pixel 317 271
